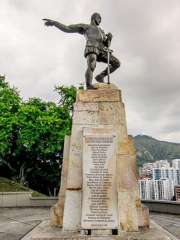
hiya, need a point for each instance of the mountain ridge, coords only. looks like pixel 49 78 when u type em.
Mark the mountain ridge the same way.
pixel 149 149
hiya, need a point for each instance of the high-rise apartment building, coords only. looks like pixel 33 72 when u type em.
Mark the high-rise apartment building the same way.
pixel 169 173
pixel 146 170
pixel 161 189
pixel 176 163
pixel 146 189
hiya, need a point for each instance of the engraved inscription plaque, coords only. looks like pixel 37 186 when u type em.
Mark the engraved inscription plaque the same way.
pixel 99 203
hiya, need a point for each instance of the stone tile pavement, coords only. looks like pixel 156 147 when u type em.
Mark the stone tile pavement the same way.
pixel 169 222
pixel 17 222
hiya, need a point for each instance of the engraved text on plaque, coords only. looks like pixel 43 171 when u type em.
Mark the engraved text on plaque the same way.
pixel 99 206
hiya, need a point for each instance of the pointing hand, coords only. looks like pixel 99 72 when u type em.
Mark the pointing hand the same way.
pixel 49 22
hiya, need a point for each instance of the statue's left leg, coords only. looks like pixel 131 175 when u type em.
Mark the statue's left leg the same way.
pixel 114 64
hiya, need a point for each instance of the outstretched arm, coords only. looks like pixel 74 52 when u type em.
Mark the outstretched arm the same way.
pixel 64 28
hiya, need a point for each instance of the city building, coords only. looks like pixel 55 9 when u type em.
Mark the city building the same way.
pixel 146 170
pixel 169 173
pixel 177 193
pixel 161 189
pixel 146 189
pixel 159 181
pixel 162 163
pixel 176 163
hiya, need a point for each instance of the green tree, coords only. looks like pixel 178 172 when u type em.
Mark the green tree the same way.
pixel 9 104
pixel 31 137
pixel 43 127
pixel 67 96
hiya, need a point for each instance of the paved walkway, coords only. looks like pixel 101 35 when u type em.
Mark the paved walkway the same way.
pixel 169 222
pixel 17 222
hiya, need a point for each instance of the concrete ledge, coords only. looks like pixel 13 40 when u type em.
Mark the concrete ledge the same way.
pixel 24 199
pixel 162 206
pixel 43 201
pixel 15 199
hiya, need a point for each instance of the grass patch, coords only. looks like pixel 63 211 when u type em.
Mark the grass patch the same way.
pixel 7 185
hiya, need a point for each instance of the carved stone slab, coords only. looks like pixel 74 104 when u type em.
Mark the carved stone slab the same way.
pixel 99 202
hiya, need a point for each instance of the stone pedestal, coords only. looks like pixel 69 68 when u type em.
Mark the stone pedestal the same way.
pixel 99 113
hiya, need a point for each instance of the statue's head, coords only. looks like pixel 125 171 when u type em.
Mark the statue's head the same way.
pixel 97 18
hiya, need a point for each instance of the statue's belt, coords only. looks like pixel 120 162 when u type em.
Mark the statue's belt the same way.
pixel 108 49
pixel 98 44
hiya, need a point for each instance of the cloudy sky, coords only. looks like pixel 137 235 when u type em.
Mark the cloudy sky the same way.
pixel 146 39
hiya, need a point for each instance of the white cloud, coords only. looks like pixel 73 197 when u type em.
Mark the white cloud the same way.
pixel 146 40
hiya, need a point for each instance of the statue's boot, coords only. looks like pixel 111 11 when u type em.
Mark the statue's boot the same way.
pixel 100 78
pixel 114 64
pixel 91 88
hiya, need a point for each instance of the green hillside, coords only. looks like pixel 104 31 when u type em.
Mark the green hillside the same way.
pixel 149 149
pixel 7 185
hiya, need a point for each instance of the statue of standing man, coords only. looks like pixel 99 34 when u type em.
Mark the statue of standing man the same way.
pixel 97 46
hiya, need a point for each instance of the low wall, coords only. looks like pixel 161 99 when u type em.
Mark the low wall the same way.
pixel 43 201
pixel 162 206
pixel 24 199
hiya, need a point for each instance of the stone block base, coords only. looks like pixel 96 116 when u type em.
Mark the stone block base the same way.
pixel 143 215
pixel 56 215
pixel 44 232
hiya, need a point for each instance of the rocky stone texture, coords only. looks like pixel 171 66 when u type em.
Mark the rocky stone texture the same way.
pixel 131 145
pixel 72 209
pixel 127 212
pixel 57 211
pixel 143 216
pixel 112 95
pixel 103 108
pixel 56 215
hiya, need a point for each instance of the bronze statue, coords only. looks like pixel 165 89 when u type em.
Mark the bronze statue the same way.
pixel 97 46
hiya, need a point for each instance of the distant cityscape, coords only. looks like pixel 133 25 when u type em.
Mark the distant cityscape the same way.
pixel 160 181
